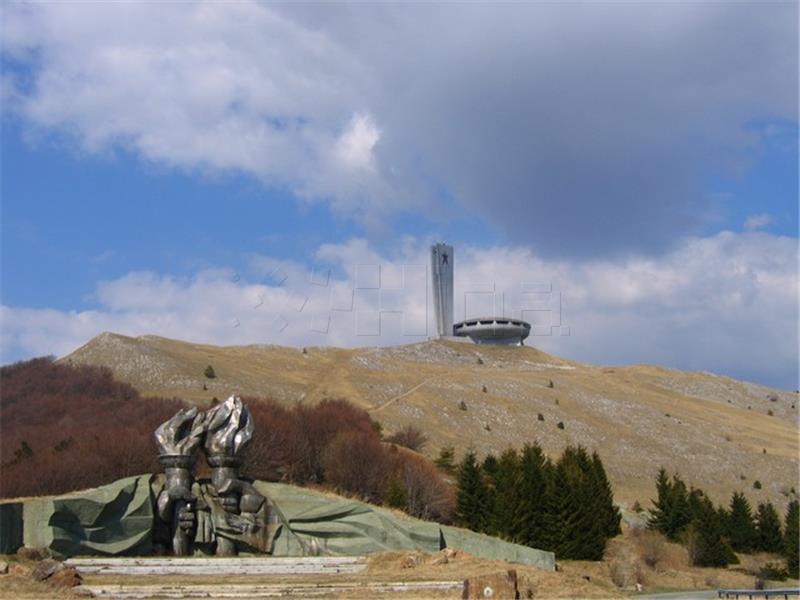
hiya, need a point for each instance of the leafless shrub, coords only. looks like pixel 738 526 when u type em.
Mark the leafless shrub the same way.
pixel 651 546
pixel 428 496
pixel 625 572
pixel 409 437
pixel 356 462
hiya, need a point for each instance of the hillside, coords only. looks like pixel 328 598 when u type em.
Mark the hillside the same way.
pixel 717 432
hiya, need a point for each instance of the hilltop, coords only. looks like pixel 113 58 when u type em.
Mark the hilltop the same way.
pixel 718 433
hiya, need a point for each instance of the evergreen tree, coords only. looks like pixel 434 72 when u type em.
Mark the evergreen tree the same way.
pixel 607 512
pixel 673 511
pixel 662 505
pixel 584 534
pixel 723 516
pixel 768 529
pixel 396 495
pixel 791 533
pixel 506 496
pixel 446 459
pixel 705 534
pixel 741 527
pixel 490 465
pixel 555 497
pixel 529 525
pixel 471 499
pixel 489 469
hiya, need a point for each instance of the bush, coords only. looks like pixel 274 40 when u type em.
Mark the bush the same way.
pixel 446 459
pixel 624 573
pixel 651 545
pixel 462 405
pixel 560 425
pixel 74 427
pixel 355 462
pixel 756 485
pixel 775 572
pixel 540 417
pixel 409 437
pixel 426 494
pixel 209 372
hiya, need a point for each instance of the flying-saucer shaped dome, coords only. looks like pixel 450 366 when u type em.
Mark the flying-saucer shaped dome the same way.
pixel 493 330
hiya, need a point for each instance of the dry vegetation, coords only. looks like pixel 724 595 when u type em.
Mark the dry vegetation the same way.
pixel 646 557
pixel 76 427
pixel 73 428
pixel 635 557
pixel 715 431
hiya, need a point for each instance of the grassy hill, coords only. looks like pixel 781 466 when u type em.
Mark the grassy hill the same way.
pixel 718 433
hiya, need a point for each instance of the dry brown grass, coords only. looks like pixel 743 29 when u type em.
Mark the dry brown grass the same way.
pixel 17 586
pixel 620 412
pixel 628 559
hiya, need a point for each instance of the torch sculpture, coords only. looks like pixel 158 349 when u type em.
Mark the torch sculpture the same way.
pixel 177 439
pixel 229 428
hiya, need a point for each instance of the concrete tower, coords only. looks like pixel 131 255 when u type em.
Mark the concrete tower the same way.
pixel 442 279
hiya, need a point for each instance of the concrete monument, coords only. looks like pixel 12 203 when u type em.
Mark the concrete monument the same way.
pixel 483 330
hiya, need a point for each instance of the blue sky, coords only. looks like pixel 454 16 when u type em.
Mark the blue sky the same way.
pixel 159 169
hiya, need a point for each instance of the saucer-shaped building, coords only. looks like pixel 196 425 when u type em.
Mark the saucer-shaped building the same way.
pixel 494 330
pixel 504 331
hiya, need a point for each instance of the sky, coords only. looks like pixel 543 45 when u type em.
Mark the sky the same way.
pixel 623 175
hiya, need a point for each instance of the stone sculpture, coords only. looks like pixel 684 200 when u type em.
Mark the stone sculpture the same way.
pixel 222 513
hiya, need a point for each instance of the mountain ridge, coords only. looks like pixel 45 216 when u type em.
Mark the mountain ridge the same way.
pixel 720 434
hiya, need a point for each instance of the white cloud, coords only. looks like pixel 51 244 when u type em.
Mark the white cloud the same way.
pixel 726 303
pixel 574 130
pixel 755 222
pixel 354 147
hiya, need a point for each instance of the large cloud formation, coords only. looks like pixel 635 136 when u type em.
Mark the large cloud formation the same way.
pixel 725 303
pixel 580 130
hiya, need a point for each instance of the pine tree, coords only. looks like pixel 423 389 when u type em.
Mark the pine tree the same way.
pixel 741 527
pixel 490 465
pixel 768 529
pixel 791 533
pixel 705 534
pixel 489 469
pixel 445 459
pixel 471 500
pixel 662 505
pixel 608 513
pixel 529 522
pixel 507 495
pixel 396 495
pixel 583 534
pixel 555 497
pixel 673 511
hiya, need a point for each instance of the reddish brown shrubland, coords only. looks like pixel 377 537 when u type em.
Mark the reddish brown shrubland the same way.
pixel 289 443
pixel 336 443
pixel 356 462
pixel 66 427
